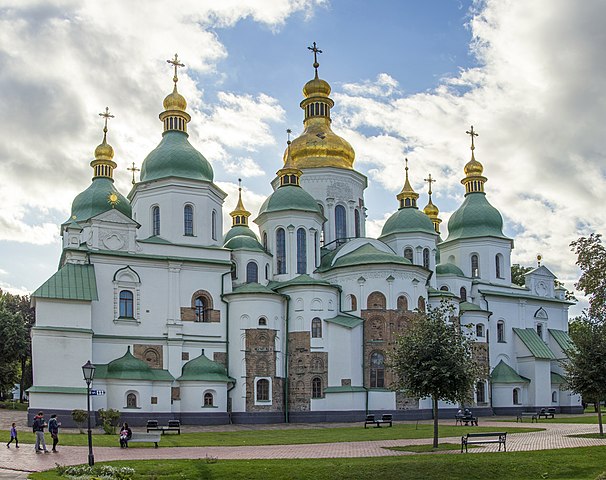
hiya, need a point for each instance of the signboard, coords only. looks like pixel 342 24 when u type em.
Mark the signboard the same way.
pixel 97 392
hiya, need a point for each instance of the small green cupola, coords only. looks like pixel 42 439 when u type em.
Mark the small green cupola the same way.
pixel 203 369
pixel 240 235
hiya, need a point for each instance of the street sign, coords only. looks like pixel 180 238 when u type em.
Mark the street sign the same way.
pixel 97 392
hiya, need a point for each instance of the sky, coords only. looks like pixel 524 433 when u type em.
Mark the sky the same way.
pixel 408 79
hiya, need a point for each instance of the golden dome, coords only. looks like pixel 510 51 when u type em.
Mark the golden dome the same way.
pixel 473 167
pixel 175 101
pixel 473 181
pixel 317 86
pixel 431 210
pixel 104 151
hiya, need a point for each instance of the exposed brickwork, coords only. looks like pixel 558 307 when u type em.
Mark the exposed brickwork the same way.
pixel 175 393
pixel 260 358
pixel 151 354
pixel 303 366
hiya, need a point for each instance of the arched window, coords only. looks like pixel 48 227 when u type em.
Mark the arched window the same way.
pixel 263 390
pixel 252 273
pixel 376 300
pixel 316 387
pixel 208 399
pixel 156 220
pixel 316 249
pixel 426 257
pixel 498 263
pixel 463 294
pixel 126 304
pixel 188 220
pixel 408 254
pixel 234 271
pixel 402 303
pixel 516 396
pixel 340 222
pixel 444 288
pixel 501 331
pixel 213 225
pixel 354 303
pixel 316 328
pixel 200 310
pixel 131 400
pixel 280 251
pixel 480 330
pixel 475 266
pixel 540 330
pixel 265 240
pixel 377 370
pixel 357 223
pixel 554 396
pixel 267 271
pixel 263 321
pixel 480 393
pixel 301 251
pixel 421 304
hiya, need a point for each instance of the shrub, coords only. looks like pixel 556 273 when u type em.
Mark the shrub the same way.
pixel 79 416
pixel 98 471
pixel 109 420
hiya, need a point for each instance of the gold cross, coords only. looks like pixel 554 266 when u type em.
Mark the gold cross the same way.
pixel 288 132
pixel 175 63
pixel 133 169
pixel 316 50
pixel 430 181
pixel 472 134
pixel 106 115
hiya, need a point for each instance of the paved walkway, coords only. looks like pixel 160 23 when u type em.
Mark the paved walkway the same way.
pixel 554 436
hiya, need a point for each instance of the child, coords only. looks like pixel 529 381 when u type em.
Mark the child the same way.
pixel 13 436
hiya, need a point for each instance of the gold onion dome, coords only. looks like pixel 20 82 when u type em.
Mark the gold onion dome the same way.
pixel 104 150
pixel 318 146
pixel 175 101
pixel 431 210
pixel 473 181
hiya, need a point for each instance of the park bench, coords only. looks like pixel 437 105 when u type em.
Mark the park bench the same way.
pixel 466 419
pixel 481 438
pixel 140 437
pixel 386 419
pixel 173 426
pixel 534 416
pixel 547 413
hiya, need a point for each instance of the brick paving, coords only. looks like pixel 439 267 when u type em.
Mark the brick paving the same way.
pixel 13 461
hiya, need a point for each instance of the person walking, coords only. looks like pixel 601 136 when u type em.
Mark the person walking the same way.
pixel 38 428
pixel 13 436
pixel 53 429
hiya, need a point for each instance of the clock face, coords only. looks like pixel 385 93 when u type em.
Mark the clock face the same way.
pixel 541 289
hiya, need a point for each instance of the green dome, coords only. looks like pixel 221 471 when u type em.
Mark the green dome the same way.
pixel 243 242
pixel 238 230
pixel 449 269
pixel 408 220
pixel 175 157
pixel 475 218
pixel 96 199
pixel 289 197
pixel 202 368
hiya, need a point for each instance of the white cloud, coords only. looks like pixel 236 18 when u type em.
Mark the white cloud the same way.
pixel 384 86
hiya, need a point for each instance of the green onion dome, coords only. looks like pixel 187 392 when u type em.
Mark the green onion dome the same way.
pixel 101 196
pixel 290 197
pixel 408 220
pixel 204 369
pixel 476 217
pixel 175 157
pixel 237 231
pixel 449 269
pixel 243 242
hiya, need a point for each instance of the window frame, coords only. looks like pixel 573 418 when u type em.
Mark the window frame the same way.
pixel 316 387
pixel 188 220
pixel 377 370
pixel 280 251
pixel 301 251
pixel 252 272
pixel 156 220
pixel 316 327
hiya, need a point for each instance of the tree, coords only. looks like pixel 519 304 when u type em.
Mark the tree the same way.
pixel 586 364
pixel 591 259
pixel 434 358
pixel 14 341
pixel 517 274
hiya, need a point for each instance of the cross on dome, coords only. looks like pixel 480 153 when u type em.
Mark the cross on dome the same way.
pixel 175 63
pixel 316 50
pixel 429 180
pixel 472 134
pixel 107 116
pixel 133 169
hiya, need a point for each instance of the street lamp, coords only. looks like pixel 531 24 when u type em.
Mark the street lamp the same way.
pixel 88 370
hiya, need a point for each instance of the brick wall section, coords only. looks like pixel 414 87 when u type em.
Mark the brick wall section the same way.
pixel 151 354
pixel 303 366
pixel 260 358
pixel 220 357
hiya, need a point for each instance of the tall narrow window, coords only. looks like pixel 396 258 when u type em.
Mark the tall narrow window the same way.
pixel 498 260
pixel 156 220
pixel 301 251
pixel 316 328
pixel 408 254
pixel 480 393
pixel 263 390
pixel 463 294
pixel 126 304
pixel 188 220
pixel 234 271
pixel 357 223
pixel 402 303
pixel 516 396
pixel 280 251
pixel 426 257
pixel 540 330
pixel 316 249
pixel 213 226
pixel 421 304
pixel 199 310
pixel 340 222
pixel 501 331
pixel 252 273
pixel 377 370
pixel 267 271
pixel 475 266
pixel 480 330
pixel 265 240
pixel 316 387
pixel 354 303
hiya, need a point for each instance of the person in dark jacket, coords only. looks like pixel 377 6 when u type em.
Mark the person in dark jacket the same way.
pixel 53 429
pixel 38 428
pixel 125 435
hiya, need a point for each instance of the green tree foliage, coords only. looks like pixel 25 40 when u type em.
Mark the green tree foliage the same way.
pixel 79 417
pixel 109 420
pixel 586 364
pixel 517 274
pixel 14 342
pixel 591 259
pixel 434 358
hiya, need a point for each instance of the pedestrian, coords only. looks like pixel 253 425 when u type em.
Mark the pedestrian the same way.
pixel 125 435
pixel 38 428
pixel 53 429
pixel 13 436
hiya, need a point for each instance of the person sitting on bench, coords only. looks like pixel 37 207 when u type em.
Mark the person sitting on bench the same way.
pixel 125 435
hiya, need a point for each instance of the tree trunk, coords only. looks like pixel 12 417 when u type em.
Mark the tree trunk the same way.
pixel 435 422
pixel 599 405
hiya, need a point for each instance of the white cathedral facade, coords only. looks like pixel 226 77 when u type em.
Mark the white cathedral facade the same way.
pixel 288 321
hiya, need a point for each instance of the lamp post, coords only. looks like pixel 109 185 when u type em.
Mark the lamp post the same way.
pixel 88 370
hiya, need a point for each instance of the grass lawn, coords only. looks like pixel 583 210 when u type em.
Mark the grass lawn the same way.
pixel 584 418
pixel 428 448
pixel 14 406
pixel 277 437
pixel 570 464
pixel 589 435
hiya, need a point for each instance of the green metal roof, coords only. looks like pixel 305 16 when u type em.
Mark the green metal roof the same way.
pixel 344 389
pixel 557 379
pixel 476 217
pixel 63 390
pixel 175 157
pixel 157 240
pixel 289 197
pixel 95 200
pixel 471 307
pixel 366 254
pixel 303 279
pixel 562 339
pixel 129 367
pixel 449 269
pixel 251 288
pixel 203 369
pixel 238 230
pixel 534 343
pixel 524 293
pixel 408 220
pixel 503 373
pixel 72 282
pixel 244 242
pixel 434 292
pixel 347 321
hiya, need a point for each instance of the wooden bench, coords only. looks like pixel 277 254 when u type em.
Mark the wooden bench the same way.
pixel 466 419
pixel 481 438
pixel 534 416
pixel 386 419
pixel 547 413
pixel 173 426
pixel 140 437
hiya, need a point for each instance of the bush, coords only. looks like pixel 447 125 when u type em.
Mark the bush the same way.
pixel 98 471
pixel 109 420
pixel 79 416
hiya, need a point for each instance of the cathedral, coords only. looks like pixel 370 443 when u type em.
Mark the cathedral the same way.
pixel 291 319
